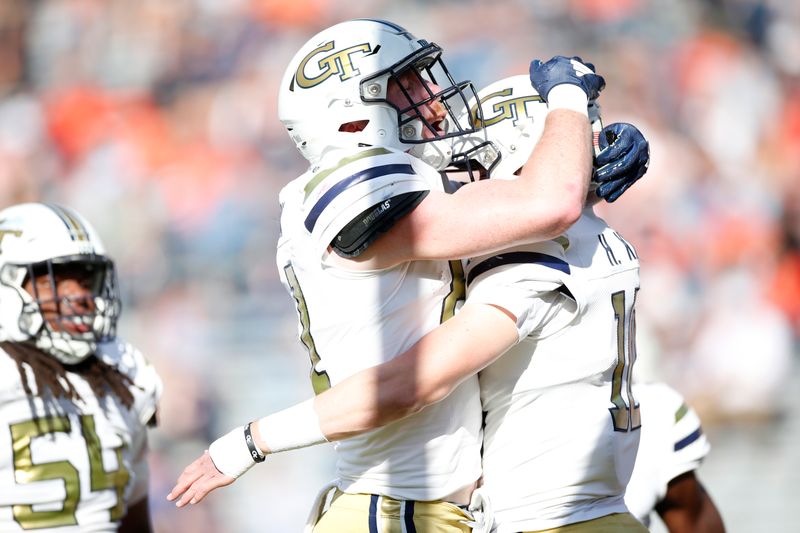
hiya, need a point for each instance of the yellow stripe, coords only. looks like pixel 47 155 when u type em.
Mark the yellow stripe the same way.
pixel 311 185
pixel 563 241
pixel 681 412
pixel 76 228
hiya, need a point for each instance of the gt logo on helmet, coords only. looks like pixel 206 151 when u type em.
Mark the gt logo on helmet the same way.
pixel 336 63
pixel 505 109
pixel 4 232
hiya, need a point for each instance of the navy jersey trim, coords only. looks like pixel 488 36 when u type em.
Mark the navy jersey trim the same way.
pixel 359 177
pixel 517 258
pixel 684 442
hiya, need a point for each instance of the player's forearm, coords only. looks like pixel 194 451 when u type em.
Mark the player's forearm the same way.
pixel 486 216
pixel 425 374
pixel 560 167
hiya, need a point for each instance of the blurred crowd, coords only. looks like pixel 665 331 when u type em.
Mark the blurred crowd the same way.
pixel 157 120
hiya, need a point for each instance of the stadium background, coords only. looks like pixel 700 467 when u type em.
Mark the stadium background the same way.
pixel 157 120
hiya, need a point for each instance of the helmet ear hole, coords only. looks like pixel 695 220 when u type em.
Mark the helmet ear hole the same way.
pixel 355 126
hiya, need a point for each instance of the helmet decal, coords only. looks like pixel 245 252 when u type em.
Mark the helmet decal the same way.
pixel 74 226
pixel 3 232
pixel 339 62
pixel 505 109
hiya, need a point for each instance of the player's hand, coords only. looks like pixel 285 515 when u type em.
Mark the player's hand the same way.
pixel 571 70
pixel 623 159
pixel 197 480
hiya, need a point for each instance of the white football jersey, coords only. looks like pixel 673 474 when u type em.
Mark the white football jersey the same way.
pixel 672 443
pixel 81 466
pixel 561 425
pixel 352 320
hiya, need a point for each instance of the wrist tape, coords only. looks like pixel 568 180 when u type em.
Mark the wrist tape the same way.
pixel 295 427
pixel 230 453
pixel 568 96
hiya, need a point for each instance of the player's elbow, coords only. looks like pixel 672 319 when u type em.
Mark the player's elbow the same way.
pixel 412 399
pixel 556 218
pixel 567 215
pixel 436 394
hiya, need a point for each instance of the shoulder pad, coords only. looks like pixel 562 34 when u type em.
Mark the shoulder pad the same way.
pixel 147 385
pixel 362 231
pixel 356 185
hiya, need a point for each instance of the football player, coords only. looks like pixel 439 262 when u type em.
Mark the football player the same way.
pixel 352 227
pixel 487 326
pixel 672 447
pixel 75 400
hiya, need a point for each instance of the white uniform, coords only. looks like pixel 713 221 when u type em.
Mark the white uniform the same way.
pixel 81 467
pixel 350 321
pixel 672 443
pixel 561 427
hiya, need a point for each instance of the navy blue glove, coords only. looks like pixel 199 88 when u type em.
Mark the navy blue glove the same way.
pixel 560 69
pixel 623 159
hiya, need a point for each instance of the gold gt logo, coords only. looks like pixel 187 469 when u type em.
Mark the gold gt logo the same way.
pixel 4 232
pixel 505 108
pixel 339 62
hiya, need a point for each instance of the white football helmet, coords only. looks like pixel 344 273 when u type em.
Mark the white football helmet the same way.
pixel 48 240
pixel 513 115
pixel 341 77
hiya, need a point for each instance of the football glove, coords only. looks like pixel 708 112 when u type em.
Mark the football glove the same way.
pixel 623 159
pixel 571 70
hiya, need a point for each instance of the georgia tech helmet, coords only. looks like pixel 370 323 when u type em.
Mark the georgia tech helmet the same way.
pixel 513 115
pixel 42 240
pixel 341 77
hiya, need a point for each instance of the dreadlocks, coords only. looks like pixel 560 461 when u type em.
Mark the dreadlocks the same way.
pixel 50 374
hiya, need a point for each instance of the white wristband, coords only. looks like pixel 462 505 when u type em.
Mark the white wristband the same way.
pixel 568 96
pixel 295 427
pixel 230 453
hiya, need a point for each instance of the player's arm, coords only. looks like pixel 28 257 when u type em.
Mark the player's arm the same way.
pixel 137 520
pixel 484 216
pixel 426 373
pixel 688 508
pixel 488 215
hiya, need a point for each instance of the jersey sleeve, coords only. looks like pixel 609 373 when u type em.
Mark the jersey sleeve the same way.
pixel 147 388
pixel 532 282
pixel 363 187
pixel 688 442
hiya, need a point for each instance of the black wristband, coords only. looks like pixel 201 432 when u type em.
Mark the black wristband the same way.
pixel 251 445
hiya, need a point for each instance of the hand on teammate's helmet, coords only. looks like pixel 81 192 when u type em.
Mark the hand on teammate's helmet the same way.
pixel 571 70
pixel 623 159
